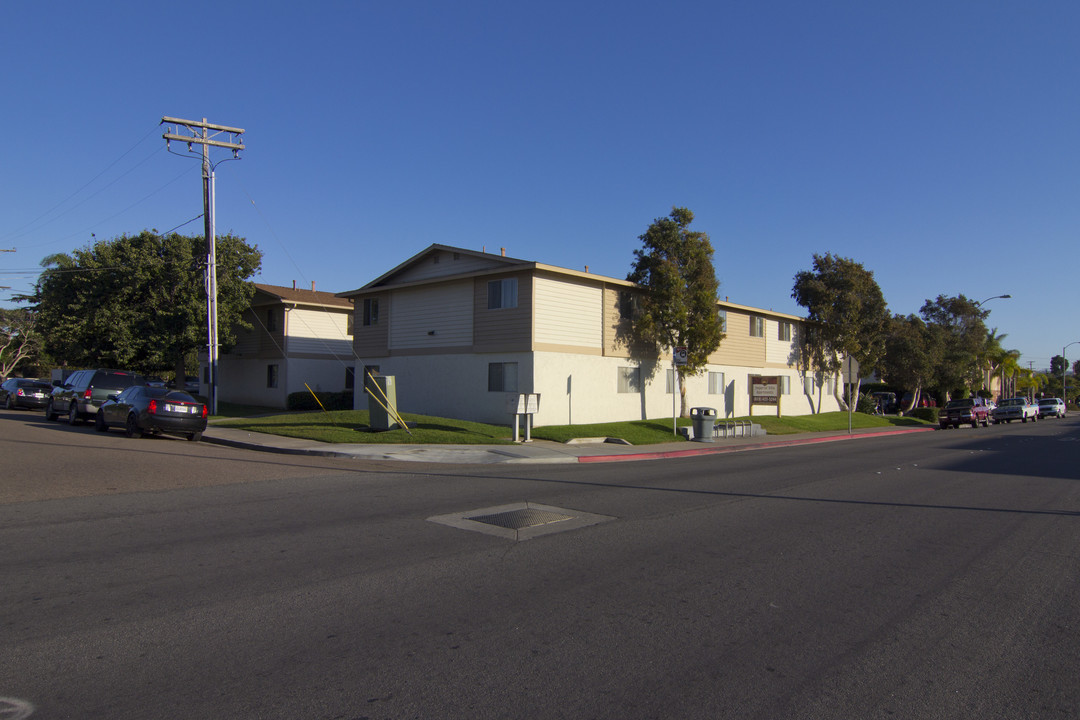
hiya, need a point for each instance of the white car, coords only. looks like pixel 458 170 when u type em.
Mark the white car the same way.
pixel 1052 407
pixel 1016 408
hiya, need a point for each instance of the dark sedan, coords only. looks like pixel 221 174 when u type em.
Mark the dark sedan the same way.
pixel 150 410
pixel 25 393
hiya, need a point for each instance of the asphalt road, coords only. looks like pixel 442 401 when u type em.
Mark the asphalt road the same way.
pixel 922 576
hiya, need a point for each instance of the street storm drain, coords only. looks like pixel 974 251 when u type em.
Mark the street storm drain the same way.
pixel 520 521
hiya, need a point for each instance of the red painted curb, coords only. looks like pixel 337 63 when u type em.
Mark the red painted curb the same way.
pixel 745 448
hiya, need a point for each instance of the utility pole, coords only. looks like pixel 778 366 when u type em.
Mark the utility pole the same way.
pixel 200 135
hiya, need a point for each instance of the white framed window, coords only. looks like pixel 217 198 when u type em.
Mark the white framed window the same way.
pixel 785 385
pixel 721 315
pixel 784 332
pixel 271 319
pixel 757 326
pixel 809 385
pixel 629 304
pixel 629 379
pixel 502 293
pixel 669 382
pixel 716 383
pixel 829 385
pixel 271 376
pixel 502 377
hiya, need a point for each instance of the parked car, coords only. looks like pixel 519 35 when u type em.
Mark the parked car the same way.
pixel 191 384
pixel 155 381
pixel 964 411
pixel 886 401
pixel 925 400
pixel 151 410
pixel 1052 407
pixel 80 396
pixel 25 393
pixel 1016 408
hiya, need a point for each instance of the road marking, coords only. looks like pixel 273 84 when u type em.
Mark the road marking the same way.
pixel 15 709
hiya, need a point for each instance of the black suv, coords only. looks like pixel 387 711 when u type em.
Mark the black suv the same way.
pixel 80 396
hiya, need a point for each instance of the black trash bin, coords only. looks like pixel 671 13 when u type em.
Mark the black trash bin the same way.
pixel 703 419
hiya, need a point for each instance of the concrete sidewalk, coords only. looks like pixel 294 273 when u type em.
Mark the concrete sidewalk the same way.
pixel 537 451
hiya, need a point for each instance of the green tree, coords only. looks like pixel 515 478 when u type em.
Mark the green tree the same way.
pixel 19 338
pixel 956 323
pixel 678 308
pixel 139 301
pixel 847 312
pixel 908 358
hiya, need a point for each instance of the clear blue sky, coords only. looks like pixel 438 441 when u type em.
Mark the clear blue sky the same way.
pixel 937 143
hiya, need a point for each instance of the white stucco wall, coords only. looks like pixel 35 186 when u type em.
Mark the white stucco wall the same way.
pixel 576 389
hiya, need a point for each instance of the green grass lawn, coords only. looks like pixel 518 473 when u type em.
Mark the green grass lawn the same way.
pixel 351 426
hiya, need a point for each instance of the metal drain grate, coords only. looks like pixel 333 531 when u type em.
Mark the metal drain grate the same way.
pixel 521 518
pixel 520 521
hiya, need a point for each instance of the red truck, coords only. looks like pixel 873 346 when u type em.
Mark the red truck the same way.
pixel 965 411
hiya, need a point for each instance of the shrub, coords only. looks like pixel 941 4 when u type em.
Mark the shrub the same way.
pixel 923 413
pixel 330 400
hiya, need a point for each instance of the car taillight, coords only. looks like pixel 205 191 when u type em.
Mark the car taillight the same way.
pixel 205 412
pixel 20 393
pixel 88 394
pixel 152 407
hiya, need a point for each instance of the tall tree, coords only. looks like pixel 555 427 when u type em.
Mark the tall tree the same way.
pixel 908 358
pixel 19 338
pixel 957 324
pixel 678 308
pixel 139 301
pixel 847 311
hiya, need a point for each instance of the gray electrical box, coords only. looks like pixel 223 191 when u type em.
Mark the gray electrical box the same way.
pixel 382 397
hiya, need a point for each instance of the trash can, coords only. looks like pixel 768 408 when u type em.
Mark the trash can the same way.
pixel 703 419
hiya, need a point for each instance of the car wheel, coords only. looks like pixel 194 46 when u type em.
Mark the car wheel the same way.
pixel 195 436
pixel 131 427
pixel 99 423
pixel 975 422
pixel 73 414
pixel 49 414
pixel 8 404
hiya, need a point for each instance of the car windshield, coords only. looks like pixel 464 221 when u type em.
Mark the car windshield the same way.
pixel 1048 402
pixel 961 403
pixel 1013 401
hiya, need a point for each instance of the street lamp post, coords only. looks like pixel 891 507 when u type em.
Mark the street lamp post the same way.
pixel 1064 368
pixel 990 379
pixel 996 297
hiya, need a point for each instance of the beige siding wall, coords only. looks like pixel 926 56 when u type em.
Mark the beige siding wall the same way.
pixel 502 329
pixel 567 314
pixel 427 317
pixel 372 340
pixel 444 264
pixel 737 347
pixel 318 332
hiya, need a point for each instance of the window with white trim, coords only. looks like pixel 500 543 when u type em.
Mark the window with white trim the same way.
pixel 757 326
pixel 721 315
pixel 629 379
pixel 716 383
pixel 784 332
pixel 785 385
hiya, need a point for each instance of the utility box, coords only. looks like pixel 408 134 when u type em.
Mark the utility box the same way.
pixel 703 419
pixel 382 398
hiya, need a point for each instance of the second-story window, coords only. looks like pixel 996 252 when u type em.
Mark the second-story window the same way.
pixel 757 326
pixel 784 332
pixel 271 319
pixel 371 311
pixel 502 293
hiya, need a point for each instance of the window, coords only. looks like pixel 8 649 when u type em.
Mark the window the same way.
pixel 629 304
pixel 350 323
pixel 502 293
pixel 716 383
pixel 669 385
pixel 371 311
pixel 502 377
pixel 757 326
pixel 271 376
pixel 829 381
pixel 721 315
pixel 785 385
pixel 785 332
pixel 808 384
pixel 271 319
pixel 629 379
pixel 350 378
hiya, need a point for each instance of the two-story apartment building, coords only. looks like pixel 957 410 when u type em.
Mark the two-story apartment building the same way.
pixel 463 331
pixel 297 336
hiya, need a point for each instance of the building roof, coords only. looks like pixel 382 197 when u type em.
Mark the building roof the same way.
pixel 300 296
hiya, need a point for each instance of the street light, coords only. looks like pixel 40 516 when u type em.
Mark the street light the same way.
pixel 1064 367
pixel 996 297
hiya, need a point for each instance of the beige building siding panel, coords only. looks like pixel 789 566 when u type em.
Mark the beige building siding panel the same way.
pixel 568 313
pixel 445 264
pixel 372 340
pixel 737 347
pixel 319 332
pixel 503 329
pixel 439 316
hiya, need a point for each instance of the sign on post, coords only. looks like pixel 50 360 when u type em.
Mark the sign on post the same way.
pixel 765 390
pixel 680 356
